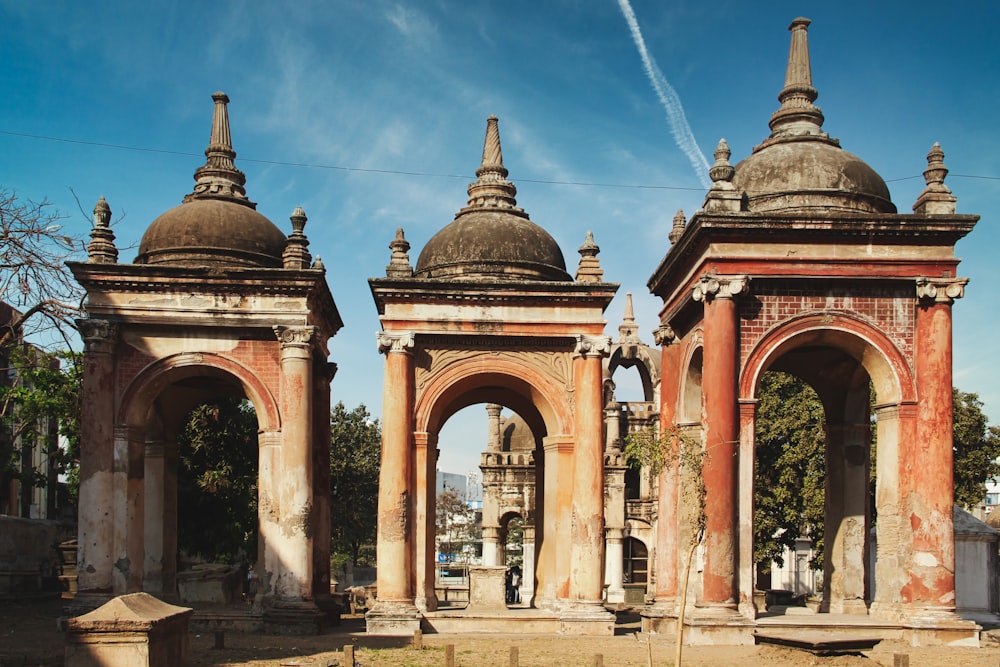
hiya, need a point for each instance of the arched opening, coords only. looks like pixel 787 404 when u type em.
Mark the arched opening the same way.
pixel 636 562
pixel 850 368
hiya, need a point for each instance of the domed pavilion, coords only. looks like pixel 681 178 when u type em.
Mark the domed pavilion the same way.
pixel 218 303
pixel 489 315
pixel 799 262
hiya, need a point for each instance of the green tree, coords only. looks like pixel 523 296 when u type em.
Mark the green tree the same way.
pixel 455 522
pixel 217 481
pixel 355 451
pixel 976 449
pixel 39 411
pixel 790 469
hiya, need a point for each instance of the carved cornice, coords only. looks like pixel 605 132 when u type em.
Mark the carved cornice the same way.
pixel 402 341
pixel 941 290
pixel 719 287
pixel 592 346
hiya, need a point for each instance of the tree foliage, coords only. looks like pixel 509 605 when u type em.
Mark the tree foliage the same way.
pixel 455 522
pixel 217 481
pixel 34 249
pixel 976 449
pixel 355 450
pixel 39 409
pixel 790 470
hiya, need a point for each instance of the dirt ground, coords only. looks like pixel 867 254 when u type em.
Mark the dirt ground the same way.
pixel 29 636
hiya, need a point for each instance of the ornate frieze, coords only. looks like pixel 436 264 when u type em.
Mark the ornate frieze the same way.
pixel 719 287
pixel 941 290
pixel 402 341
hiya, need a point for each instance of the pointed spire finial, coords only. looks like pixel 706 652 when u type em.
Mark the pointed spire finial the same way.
pixel 492 189
pixel 219 178
pixel 589 270
pixel 101 249
pixel 677 231
pixel 628 330
pixel 798 115
pixel 399 263
pixel 936 197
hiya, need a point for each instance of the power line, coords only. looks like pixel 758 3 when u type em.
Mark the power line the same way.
pixel 398 172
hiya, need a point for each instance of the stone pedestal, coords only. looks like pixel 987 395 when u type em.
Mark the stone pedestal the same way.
pixel 134 630
pixel 486 588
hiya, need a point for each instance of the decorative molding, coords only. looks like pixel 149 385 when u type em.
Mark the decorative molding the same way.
pixel 555 365
pixel 719 287
pixel 941 290
pixel 402 341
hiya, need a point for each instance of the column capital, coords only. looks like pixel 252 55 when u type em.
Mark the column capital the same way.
pixel 710 287
pixel 294 337
pixel 98 335
pixel 941 290
pixel 664 335
pixel 397 341
pixel 592 346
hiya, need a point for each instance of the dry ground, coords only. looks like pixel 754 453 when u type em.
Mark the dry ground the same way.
pixel 29 636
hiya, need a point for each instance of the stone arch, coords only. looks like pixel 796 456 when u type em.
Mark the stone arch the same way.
pixel 534 395
pixel 641 357
pixel 139 394
pixel 690 394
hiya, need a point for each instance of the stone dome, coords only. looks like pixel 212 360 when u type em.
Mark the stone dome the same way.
pixel 799 167
pixel 212 232
pixel 491 238
pixel 216 225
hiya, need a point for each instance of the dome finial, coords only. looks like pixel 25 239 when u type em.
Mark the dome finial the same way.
pixel 101 249
pixel 492 189
pixel 936 197
pixel 219 178
pixel 399 263
pixel 798 115
pixel 589 269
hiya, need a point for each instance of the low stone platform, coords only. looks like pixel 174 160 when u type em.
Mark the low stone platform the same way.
pixel 510 621
pixel 819 642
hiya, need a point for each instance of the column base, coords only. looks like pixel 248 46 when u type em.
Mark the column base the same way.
pixel 292 617
pixel 586 617
pixel 660 618
pixel 393 618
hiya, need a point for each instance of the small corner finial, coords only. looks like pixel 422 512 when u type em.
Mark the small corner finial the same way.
pixel 101 249
pixel 399 262
pixel 628 330
pixel 723 196
pixel 296 254
pixel 936 198
pixel 677 231
pixel 589 269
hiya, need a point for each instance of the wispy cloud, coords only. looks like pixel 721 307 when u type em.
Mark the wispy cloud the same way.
pixel 679 128
pixel 411 23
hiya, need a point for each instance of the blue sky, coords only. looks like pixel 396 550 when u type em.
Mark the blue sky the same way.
pixel 369 88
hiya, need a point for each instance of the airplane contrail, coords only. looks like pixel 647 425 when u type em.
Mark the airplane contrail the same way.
pixel 679 127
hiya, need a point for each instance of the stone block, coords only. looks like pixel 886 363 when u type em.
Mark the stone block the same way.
pixel 134 630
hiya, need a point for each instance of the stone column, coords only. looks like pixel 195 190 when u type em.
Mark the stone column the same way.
pixel 846 509
pixel 587 557
pixel 128 509
pixel 395 611
pixel 557 496
pixel 291 572
pixel 96 517
pixel 721 433
pixel 928 486
pixel 747 569
pixel 154 487
pixel 426 456
pixel 323 373
pixel 528 566
pixel 494 441
pixel 667 516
